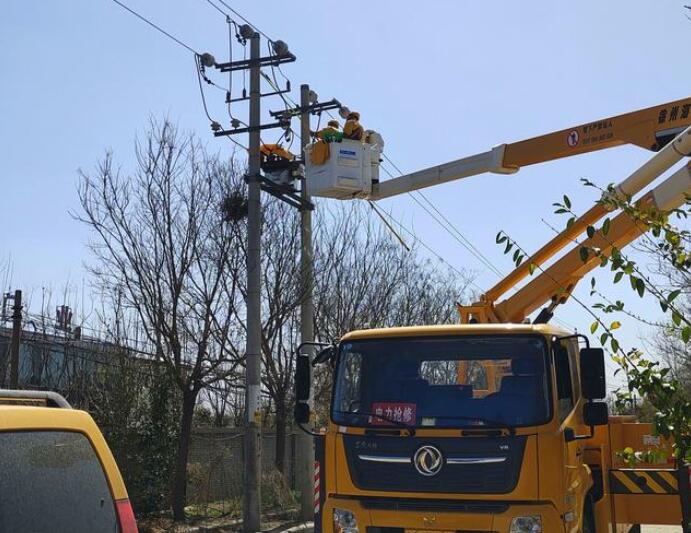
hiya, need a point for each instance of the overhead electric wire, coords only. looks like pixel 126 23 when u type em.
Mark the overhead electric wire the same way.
pixel 155 26
pixel 431 250
pixel 445 224
pixel 245 20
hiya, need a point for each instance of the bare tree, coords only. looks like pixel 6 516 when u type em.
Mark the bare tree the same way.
pixel 367 280
pixel 160 242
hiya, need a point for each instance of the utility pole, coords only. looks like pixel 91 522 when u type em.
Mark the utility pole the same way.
pixel 16 334
pixel 252 480
pixel 304 456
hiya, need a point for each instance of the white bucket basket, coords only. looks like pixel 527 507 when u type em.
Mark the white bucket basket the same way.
pixel 347 173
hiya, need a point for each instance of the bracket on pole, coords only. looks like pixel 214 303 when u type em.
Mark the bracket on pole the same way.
pixel 222 133
pixel 266 61
pixel 314 109
pixel 286 193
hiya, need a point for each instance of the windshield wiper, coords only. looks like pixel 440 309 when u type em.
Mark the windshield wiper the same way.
pixel 489 423
pixel 410 429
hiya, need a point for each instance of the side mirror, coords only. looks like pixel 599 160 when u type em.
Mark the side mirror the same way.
pixel 595 414
pixel 303 385
pixel 593 381
pixel 303 378
pixel 324 355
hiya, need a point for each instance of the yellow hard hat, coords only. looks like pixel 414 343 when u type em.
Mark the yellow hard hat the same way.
pixel 333 124
pixel 354 114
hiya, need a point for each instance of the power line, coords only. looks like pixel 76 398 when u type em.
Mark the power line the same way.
pixel 447 224
pixel 245 20
pixel 155 26
pixel 431 250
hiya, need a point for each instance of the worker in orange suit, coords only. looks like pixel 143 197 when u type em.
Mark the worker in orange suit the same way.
pixel 353 129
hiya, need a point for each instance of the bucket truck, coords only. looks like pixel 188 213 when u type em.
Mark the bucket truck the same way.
pixel 496 424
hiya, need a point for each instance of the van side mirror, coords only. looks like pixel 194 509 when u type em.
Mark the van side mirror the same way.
pixel 595 414
pixel 303 385
pixel 593 381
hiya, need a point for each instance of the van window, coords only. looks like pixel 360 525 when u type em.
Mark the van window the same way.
pixel 52 481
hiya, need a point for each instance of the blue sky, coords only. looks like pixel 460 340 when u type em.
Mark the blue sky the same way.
pixel 439 80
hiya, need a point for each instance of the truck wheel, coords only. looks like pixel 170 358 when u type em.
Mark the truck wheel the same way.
pixel 588 516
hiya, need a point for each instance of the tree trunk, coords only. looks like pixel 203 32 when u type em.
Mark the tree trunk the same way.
pixel 281 423
pixel 189 400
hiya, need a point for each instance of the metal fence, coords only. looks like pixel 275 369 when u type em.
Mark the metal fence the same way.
pixel 215 467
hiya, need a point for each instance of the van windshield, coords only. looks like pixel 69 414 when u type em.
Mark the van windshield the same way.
pixel 470 381
pixel 53 481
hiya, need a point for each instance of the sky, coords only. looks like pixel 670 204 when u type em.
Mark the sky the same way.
pixel 439 80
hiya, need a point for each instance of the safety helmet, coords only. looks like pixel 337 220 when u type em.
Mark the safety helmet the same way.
pixel 333 124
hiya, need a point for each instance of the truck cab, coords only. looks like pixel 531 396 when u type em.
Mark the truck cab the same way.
pixel 464 428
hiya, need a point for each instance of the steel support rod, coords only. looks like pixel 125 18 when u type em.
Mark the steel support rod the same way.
pixel 16 336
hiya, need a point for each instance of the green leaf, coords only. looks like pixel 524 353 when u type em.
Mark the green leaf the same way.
pixel 640 287
pixel 594 326
pixel 501 238
pixel 570 222
pixel 686 333
pixel 605 226
pixel 509 245
pixel 583 252
pixel 676 318
pixel 664 306
pixel 615 345
pixel 603 338
pixel 567 202
pixel 672 295
pixel 618 276
pixel 590 230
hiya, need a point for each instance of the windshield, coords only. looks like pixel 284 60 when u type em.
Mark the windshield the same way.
pixel 470 381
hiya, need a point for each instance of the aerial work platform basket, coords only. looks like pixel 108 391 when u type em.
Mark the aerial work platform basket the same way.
pixel 348 172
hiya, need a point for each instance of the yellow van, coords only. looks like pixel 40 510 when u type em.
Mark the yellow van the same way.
pixel 57 473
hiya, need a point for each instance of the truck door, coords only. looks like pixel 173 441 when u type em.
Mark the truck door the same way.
pixel 575 475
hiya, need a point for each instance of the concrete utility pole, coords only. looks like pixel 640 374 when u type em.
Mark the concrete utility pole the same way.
pixel 16 334
pixel 304 456
pixel 252 472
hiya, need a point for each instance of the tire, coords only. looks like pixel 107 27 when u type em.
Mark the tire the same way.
pixel 588 516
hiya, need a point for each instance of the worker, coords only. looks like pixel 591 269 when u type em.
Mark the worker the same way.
pixel 331 133
pixel 352 129
pixel 275 151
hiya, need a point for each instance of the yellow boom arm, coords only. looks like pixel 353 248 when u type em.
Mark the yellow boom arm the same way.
pixel 650 128
pixel 554 284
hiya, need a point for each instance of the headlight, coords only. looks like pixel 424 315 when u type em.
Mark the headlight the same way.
pixel 345 522
pixel 526 524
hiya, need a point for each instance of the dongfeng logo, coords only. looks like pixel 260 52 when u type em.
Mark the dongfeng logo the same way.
pixel 428 460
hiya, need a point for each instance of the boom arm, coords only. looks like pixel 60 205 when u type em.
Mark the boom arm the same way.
pixel 556 283
pixel 650 128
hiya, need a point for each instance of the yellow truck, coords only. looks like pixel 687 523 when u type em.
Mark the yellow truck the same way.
pixel 495 424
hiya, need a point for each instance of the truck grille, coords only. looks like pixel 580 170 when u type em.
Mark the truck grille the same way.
pixel 471 465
